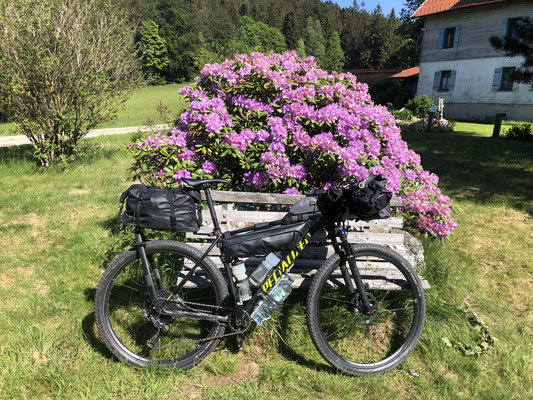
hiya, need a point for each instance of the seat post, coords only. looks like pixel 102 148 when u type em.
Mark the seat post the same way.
pixel 212 211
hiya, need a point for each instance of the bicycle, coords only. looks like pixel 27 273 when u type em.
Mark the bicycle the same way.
pixel 163 302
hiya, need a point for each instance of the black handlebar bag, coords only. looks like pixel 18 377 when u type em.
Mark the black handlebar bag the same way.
pixel 174 210
pixel 371 201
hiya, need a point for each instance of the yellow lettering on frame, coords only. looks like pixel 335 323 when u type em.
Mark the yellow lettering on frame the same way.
pixel 284 266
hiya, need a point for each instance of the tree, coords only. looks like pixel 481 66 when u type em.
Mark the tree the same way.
pixel 334 60
pixel 518 42
pixel 314 40
pixel 376 38
pixel 289 30
pixel 410 6
pixel 403 56
pixel 69 64
pixel 257 36
pixel 300 48
pixel 154 55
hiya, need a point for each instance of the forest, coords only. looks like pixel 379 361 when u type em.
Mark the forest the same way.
pixel 177 37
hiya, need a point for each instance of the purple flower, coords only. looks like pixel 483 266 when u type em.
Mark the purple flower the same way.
pixel 209 167
pixel 291 190
pixel 182 173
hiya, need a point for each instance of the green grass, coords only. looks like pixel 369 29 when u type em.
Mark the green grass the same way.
pixel 56 226
pixel 140 109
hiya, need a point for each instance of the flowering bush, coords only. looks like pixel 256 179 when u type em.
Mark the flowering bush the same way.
pixel 277 123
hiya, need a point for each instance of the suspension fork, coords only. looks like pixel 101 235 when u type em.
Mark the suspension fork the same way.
pixel 350 257
pixel 332 236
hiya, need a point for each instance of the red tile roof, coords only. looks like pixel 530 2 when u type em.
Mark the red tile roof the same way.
pixel 438 6
pixel 406 73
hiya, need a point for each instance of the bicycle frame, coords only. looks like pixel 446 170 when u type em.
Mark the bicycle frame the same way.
pixel 334 232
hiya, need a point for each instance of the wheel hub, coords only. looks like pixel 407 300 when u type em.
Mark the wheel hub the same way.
pixel 357 308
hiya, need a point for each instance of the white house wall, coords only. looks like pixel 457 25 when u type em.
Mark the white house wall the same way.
pixel 473 96
pixel 474 60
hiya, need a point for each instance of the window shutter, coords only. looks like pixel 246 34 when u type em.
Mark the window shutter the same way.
pixel 497 80
pixel 503 32
pixel 441 39
pixel 452 80
pixel 436 80
pixel 456 37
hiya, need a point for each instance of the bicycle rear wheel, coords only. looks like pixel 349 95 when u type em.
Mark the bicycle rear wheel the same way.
pixel 123 307
pixel 344 335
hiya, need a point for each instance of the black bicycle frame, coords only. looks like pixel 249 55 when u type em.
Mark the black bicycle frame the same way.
pixel 334 232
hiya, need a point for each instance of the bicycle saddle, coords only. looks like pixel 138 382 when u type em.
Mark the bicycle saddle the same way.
pixel 200 182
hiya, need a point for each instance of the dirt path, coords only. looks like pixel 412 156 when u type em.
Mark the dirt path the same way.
pixel 6 141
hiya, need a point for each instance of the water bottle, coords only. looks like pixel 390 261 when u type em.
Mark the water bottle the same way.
pixel 260 273
pixel 239 271
pixel 278 293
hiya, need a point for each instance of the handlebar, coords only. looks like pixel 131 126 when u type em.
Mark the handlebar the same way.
pixel 335 193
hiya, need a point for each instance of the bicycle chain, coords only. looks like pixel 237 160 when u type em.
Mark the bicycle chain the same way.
pixel 216 337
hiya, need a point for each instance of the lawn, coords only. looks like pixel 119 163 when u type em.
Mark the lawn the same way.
pixel 140 109
pixel 56 231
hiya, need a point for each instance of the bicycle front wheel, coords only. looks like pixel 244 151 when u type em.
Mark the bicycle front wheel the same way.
pixel 124 310
pixel 349 339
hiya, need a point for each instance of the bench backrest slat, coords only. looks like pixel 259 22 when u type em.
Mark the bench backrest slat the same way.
pixel 223 196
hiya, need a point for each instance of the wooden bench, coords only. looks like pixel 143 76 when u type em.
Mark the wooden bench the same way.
pixel 232 214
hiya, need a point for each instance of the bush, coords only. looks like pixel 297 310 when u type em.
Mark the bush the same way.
pixel 279 124
pixel 65 67
pixel 404 115
pixel 523 131
pixel 420 106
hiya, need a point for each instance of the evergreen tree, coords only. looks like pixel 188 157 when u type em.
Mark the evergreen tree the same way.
pixel 518 42
pixel 314 40
pixel 197 30
pixel 377 38
pixel 410 6
pixel 403 56
pixel 154 55
pixel 334 60
pixel 300 48
pixel 289 30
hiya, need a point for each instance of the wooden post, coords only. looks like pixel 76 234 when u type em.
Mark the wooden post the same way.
pixel 430 120
pixel 498 124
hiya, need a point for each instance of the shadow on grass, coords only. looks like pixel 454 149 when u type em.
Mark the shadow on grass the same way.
pixel 481 169
pixel 18 153
pixel 88 326
pixel 286 334
pixel 89 152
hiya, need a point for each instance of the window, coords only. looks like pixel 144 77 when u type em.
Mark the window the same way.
pixel 509 28
pixel 444 81
pixel 444 85
pixel 449 37
pixel 507 78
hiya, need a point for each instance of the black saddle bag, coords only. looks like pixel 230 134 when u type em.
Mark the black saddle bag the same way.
pixel 174 210
pixel 262 242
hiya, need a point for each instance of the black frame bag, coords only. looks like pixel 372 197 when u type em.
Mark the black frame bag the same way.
pixel 174 210
pixel 263 241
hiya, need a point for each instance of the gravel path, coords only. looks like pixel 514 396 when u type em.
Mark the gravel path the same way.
pixel 6 141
